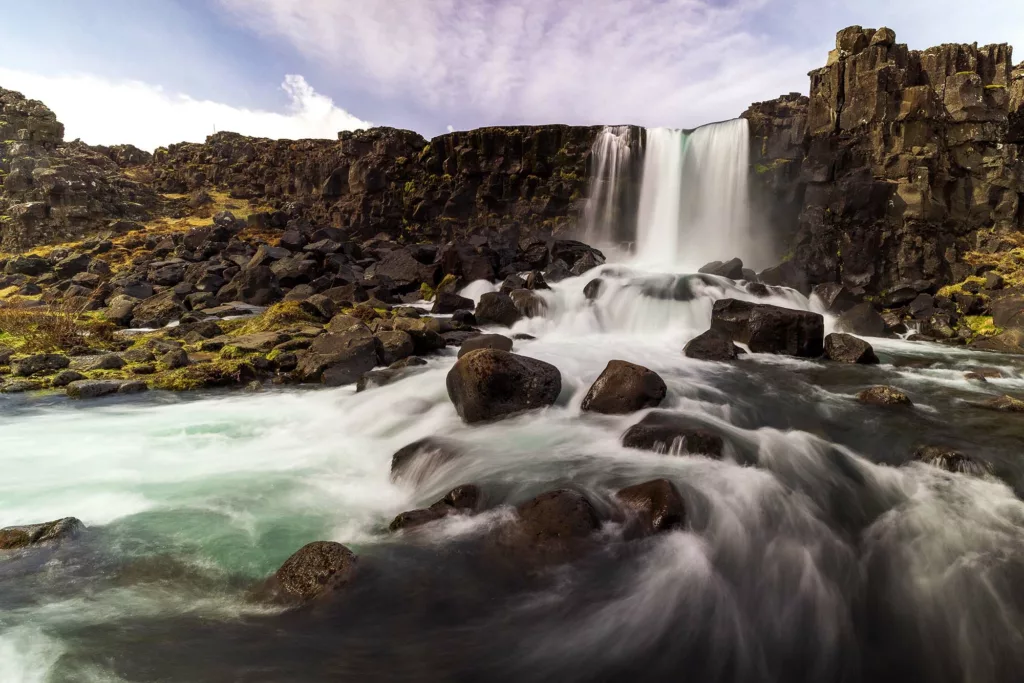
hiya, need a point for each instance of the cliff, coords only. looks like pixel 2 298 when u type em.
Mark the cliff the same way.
pixel 898 164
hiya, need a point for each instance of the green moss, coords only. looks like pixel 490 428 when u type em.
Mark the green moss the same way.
pixel 277 316
pixel 225 372
pixel 410 187
pixel 982 325
pixel 401 161
pixel 951 290
pixel 995 86
pixel 427 292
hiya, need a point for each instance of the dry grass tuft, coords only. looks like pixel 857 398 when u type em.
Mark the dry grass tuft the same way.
pixel 56 327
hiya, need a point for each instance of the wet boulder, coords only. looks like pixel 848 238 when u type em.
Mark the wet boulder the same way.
pixel 836 298
pixel 496 308
pixel 593 289
pixel 652 507
pixel 393 346
pixel 315 570
pixel 488 384
pixel 449 302
pixel 625 388
pixel 862 320
pixel 416 461
pixel 553 528
pixel 675 434
pixel 1003 404
pixel 462 500
pixel 485 341
pixel 770 329
pixel 732 269
pixel 341 356
pixel 952 461
pixel 884 396
pixel 14 537
pixel 529 304
pixel 711 345
pixel 845 348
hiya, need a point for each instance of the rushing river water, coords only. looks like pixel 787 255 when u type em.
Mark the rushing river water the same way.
pixel 814 552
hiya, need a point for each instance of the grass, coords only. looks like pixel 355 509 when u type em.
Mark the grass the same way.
pixel 982 326
pixel 277 316
pixel 952 290
pixel 41 329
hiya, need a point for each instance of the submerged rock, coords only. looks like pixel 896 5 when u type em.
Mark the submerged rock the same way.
pixel 625 388
pixel 711 345
pixel 1004 404
pixel 465 499
pixel 952 461
pixel 664 432
pixel 416 461
pixel 316 569
pixel 653 506
pixel 487 384
pixel 485 341
pixel 14 537
pixel 845 348
pixel 553 528
pixel 884 396
pixel 770 329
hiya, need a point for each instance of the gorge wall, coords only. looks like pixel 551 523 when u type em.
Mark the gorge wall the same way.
pixel 898 164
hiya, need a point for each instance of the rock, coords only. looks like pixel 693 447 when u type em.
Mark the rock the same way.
pixel 770 329
pixel 884 396
pixel 535 281
pixel 14 537
pixel 341 356
pixel 899 297
pixel 175 359
pixel 448 302
pixel 553 528
pixel 922 307
pixel 845 348
pixel 66 377
pixel 711 345
pixel 107 361
pixel 529 304
pixel 674 434
pixel 38 364
pixel 994 281
pixel 511 283
pixel 466 318
pixel 624 388
pixel 417 461
pixel 464 499
pixel 952 461
pixel 653 506
pixel 1003 404
pixel 94 388
pixel 593 289
pixel 20 386
pixel 1008 312
pixel 557 271
pixel 254 285
pixel 732 269
pixel 158 310
pixel 401 268
pixel 496 308
pixel 394 345
pixel 120 310
pixel 862 320
pixel 315 570
pixel 5 355
pixel 485 341
pixel 835 297
pixel 488 384
pixel 320 306
pixel 27 265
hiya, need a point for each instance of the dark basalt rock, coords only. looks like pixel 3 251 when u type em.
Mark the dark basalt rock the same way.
pixel 464 499
pixel 1003 404
pixel 317 569
pixel 528 303
pixel 14 537
pixel 862 320
pixel 593 289
pixel 770 329
pixel 664 432
pixel 553 528
pixel 884 396
pixel 393 346
pixel 488 384
pixel 485 341
pixel 415 462
pixel 845 348
pixel 835 297
pixel 711 345
pixel 448 302
pixel 952 461
pixel 653 507
pixel 624 388
pixel 39 363
pixel 94 388
pixel 732 269
pixel 497 309
pixel 341 356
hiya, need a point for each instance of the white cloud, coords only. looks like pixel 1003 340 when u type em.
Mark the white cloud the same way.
pixel 103 112
pixel 653 62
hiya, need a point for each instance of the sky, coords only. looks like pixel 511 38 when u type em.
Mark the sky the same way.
pixel 155 72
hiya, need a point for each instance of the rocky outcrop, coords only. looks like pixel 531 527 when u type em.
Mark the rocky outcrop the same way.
pixel 898 163
pixel 769 329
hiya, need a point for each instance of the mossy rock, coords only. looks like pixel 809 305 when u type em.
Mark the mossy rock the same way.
pixel 220 373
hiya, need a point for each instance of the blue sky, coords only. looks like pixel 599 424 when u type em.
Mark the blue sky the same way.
pixel 153 72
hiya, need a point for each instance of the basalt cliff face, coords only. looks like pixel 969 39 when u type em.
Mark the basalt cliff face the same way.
pixel 899 165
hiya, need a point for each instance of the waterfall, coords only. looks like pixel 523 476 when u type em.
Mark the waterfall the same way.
pixel 693 202
pixel 608 219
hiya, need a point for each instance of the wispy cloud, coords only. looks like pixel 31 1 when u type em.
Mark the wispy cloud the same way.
pixel 105 112
pixel 656 62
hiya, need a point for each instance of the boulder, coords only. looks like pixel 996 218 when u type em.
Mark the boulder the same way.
pixel 341 356
pixel 488 384
pixel 106 361
pixel 485 341
pixel 845 348
pixel 316 569
pixel 511 283
pixel 835 297
pixel 449 302
pixel 592 290
pixel 496 308
pixel 711 345
pixel 20 386
pixel 672 433
pixel 174 359
pixel 404 271
pixel 862 320
pixel 71 265
pixel 1008 312
pixel 158 310
pixel 732 269
pixel 465 499
pixel 553 528
pixel 884 396
pixel 653 507
pixel 1004 404
pixel 625 388
pixel 394 345
pixel 94 388
pixel 66 377
pixel 14 537
pixel 770 329
pixel 121 310
pixel 416 461
pixel 41 363
pixel 255 285
pixel 952 461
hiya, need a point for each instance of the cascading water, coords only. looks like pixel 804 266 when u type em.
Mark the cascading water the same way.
pixel 607 219
pixel 657 239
